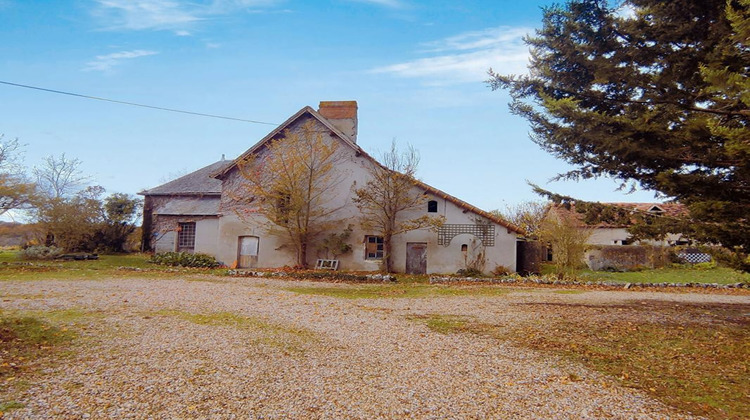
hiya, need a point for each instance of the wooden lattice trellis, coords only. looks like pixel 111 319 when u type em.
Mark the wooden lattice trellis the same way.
pixel 485 233
pixel 695 257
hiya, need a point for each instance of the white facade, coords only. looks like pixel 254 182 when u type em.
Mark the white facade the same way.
pixel 620 236
pixel 222 236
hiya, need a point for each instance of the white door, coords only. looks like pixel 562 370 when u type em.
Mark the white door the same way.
pixel 248 252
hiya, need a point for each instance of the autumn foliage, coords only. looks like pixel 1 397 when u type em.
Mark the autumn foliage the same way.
pixel 289 182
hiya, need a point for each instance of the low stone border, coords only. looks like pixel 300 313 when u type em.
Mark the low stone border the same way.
pixel 317 276
pixel 548 281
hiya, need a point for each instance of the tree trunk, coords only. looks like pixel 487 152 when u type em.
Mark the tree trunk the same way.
pixel 302 255
pixel 387 261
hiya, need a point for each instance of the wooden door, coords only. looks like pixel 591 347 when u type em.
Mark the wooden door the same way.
pixel 416 258
pixel 248 252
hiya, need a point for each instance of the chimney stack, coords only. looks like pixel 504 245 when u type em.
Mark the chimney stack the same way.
pixel 342 114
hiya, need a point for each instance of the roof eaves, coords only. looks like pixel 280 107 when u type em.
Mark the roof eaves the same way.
pixel 180 194
pixel 306 110
pixel 460 203
pixel 468 207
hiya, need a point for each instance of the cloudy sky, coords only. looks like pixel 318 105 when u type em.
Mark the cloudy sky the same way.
pixel 416 68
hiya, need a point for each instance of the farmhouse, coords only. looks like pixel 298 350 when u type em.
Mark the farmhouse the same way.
pixel 616 232
pixel 207 211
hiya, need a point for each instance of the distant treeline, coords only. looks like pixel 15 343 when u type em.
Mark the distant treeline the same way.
pixel 18 234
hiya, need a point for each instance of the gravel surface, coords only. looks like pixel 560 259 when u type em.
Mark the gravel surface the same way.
pixel 142 353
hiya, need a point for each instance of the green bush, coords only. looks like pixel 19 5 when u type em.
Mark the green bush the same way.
pixel 40 252
pixel 184 259
pixel 705 265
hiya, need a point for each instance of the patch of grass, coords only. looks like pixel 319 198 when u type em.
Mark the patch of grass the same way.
pixel 568 292
pixel 413 278
pixel 453 324
pixel 699 369
pixel 23 339
pixel 8 255
pixel 410 290
pixel 693 357
pixel 720 275
pixel 443 324
pixel 222 319
pixel 286 338
pixel 107 266
pixel 10 405
pixel 59 316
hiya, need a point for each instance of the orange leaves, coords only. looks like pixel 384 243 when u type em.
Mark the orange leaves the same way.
pixel 691 356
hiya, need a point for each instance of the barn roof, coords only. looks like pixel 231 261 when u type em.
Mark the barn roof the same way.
pixel 657 209
pixel 222 172
pixel 190 207
pixel 195 183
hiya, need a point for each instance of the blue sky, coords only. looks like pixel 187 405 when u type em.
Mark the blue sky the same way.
pixel 416 68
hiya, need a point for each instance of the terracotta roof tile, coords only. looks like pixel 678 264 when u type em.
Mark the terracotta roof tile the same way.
pixel 666 209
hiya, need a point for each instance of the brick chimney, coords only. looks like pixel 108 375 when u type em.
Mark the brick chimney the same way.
pixel 342 114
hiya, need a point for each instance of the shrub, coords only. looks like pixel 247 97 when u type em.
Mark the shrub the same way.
pixel 184 259
pixel 660 256
pixel 40 252
pixel 469 272
pixel 705 265
pixel 501 270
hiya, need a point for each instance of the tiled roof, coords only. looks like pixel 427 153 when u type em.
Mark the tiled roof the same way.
pixel 221 173
pixel 195 183
pixel 468 207
pixel 207 206
pixel 664 209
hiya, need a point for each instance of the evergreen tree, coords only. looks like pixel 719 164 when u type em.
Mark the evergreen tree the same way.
pixel 651 92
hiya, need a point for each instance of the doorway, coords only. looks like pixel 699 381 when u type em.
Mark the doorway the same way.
pixel 416 258
pixel 247 254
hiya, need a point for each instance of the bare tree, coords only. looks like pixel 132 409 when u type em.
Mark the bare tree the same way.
pixel 388 195
pixel 59 177
pixel 528 215
pixel 15 189
pixel 567 239
pixel 289 183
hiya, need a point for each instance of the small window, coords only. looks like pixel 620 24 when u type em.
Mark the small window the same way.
pixel 464 248
pixel 432 206
pixel 186 236
pixel 656 210
pixel 373 247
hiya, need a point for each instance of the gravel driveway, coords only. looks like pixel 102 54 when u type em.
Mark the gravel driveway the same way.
pixel 153 349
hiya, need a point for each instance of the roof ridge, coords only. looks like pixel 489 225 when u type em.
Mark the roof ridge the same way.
pixel 197 182
pixel 219 174
pixel 268 137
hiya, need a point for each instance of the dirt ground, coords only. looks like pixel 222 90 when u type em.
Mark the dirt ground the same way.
pixel 217 347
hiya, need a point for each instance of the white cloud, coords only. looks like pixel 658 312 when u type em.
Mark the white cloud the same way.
pixel 467 57
pixel 107 62
pixel 167 14
pixel 394 4
pixel 144 14
pixel 230 6
pixel 626 11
